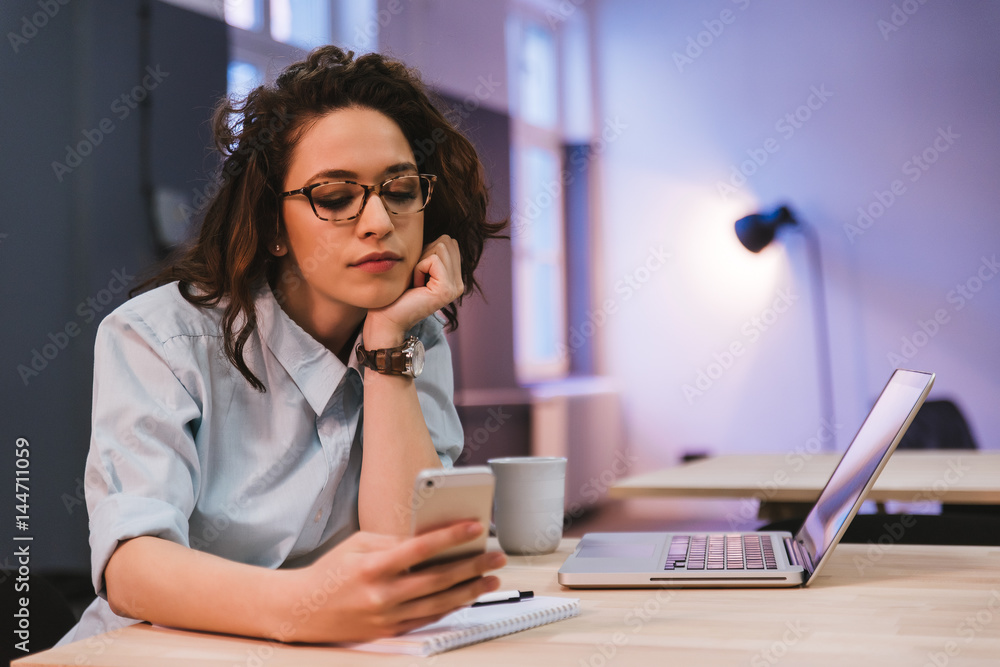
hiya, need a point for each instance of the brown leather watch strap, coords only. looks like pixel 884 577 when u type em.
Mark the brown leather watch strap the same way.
pixel 389 359
pixel 383 360
pixel 394 360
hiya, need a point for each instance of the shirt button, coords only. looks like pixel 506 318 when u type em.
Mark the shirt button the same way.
pixel 319 515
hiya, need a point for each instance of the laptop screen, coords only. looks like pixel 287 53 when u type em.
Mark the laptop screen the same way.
pixel 864 458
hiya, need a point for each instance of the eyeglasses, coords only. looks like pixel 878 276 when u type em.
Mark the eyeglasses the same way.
pixel 345 200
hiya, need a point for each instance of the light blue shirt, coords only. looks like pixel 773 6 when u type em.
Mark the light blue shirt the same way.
pixel 184 449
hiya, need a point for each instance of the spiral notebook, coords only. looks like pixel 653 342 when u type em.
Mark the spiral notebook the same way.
pixel 475 624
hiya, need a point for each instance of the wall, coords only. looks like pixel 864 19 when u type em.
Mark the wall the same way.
pixel 458 46
pixel 696 95
pixel 77 229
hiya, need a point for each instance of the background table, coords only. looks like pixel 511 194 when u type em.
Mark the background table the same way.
pixel 883 604
pixel 795 480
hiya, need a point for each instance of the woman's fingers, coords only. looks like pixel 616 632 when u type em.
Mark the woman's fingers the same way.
pixel 445 587
pixel 440 267
pixel 443 576
pixel 430 608
pixel 415 551
pixel 407 585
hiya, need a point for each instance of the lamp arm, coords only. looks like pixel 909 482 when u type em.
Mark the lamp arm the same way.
pixel 823 360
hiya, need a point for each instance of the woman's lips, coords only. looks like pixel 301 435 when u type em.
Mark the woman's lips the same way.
pixel 377 265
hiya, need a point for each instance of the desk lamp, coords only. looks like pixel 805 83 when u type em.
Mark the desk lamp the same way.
pixel 755 232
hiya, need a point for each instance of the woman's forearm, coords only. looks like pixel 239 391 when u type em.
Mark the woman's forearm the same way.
pixel 363 588
pixel 159 581
pixel 397 446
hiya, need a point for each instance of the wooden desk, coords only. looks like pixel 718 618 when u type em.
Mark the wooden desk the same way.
pixel 956 476
pixel 884 605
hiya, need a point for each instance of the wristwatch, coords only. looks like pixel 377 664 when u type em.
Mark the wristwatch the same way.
pixel 407 359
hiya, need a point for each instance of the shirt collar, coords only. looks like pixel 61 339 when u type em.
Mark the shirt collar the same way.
pixel 315 370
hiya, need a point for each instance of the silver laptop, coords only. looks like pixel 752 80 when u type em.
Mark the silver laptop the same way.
pixel 757 559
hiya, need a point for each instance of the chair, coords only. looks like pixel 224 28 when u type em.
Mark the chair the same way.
pixel 941 425
pixel 938 425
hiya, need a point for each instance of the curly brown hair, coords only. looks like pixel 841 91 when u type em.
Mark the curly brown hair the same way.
pixel 256 135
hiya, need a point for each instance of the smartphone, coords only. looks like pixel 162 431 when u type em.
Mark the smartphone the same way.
pixel 443 496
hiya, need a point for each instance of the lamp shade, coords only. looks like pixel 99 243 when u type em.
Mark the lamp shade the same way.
pixel 756 231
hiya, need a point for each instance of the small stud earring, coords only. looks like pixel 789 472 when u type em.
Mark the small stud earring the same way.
pixel 277 247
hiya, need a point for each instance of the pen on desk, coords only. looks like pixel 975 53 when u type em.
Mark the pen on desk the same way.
pixel 502 597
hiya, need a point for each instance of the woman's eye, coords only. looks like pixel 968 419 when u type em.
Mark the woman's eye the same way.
pixel 400 196
pixel 336 198
pixel 333 203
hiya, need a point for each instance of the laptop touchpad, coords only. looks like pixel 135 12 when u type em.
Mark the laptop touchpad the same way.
pixel 615 550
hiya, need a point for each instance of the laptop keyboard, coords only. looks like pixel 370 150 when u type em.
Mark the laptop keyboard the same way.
pixel 721 552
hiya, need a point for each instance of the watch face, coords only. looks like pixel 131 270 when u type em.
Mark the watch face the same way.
pixel 416 364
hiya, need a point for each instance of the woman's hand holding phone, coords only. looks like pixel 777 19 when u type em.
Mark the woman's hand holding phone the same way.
pixel 368 587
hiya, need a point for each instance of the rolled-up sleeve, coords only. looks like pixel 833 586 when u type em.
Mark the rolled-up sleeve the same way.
pixel 142 470
pixel 436 389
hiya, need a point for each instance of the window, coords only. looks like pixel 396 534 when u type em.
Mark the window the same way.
pixel 245 14
pixel 243 77
pixel 267 35
pixel 302 23
pixel 537 200
pixel 536 77
pixel 539 290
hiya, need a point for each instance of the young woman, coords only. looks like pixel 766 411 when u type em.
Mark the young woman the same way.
pixel 260 415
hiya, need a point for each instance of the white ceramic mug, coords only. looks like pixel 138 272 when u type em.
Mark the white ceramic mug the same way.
pixel 528 503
